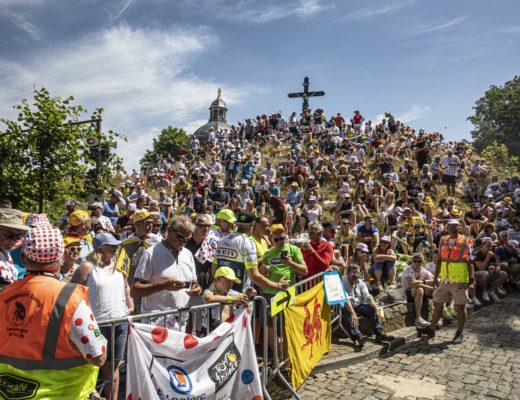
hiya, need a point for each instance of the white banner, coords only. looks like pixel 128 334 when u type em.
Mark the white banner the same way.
pixel 170 365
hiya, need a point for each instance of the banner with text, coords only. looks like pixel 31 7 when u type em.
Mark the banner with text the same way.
pixel 170 365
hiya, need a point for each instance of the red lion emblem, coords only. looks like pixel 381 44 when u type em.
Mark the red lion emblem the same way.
pixel 312 326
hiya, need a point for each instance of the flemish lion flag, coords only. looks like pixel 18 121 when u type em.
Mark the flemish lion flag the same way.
pixel 308 328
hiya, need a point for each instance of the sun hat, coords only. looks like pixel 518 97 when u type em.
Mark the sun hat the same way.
pixel 44 244
pixel 11 218
pixel 385 238
pixel 105 239
pixel 131 207
pixel 226 215
pixel 96 204
pixel 226 272
pixel 78 217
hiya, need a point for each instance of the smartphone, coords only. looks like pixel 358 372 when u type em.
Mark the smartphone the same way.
pixel 284 253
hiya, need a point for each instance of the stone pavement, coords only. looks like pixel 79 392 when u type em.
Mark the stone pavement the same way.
pixel 485 366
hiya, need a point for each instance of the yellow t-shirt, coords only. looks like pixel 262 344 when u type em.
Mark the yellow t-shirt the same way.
pixel 261 245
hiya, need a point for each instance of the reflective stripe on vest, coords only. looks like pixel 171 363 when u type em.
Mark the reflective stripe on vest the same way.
pixel 51 340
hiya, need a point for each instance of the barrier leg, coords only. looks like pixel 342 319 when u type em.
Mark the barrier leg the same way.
pixel 276 363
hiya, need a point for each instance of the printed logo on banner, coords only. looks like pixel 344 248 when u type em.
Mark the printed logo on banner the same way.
pixel 180 381
pixel 223 369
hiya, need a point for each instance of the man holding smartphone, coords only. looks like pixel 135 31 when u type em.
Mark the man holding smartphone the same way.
pixel 164 273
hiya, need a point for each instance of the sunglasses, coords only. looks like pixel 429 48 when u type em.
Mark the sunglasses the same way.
pixel 75 249
pixel 416 261
pixel 148 222
pixel 278 240
pixel 181 237
pixel 12 235
pixel 203 226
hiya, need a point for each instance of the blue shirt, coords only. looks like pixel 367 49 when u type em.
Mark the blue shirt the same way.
pixel 361 228
pixel 110 210
pixel 293 198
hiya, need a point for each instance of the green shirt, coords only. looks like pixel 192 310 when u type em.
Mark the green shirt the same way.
pixel 277 270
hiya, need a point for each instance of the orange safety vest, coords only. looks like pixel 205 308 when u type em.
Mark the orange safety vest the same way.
pixel 454 259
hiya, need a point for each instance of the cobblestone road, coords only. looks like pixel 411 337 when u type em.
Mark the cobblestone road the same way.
pixel 485 366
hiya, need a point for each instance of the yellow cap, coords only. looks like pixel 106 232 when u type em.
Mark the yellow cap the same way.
pixel 68 240
pixel 227 215
pixel 142 216
pixel 78 217
pixel 228 273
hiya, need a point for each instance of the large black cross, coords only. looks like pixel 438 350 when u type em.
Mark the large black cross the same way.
pixel 306 94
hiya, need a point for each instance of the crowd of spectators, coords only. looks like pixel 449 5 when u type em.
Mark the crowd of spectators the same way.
pixel 275 201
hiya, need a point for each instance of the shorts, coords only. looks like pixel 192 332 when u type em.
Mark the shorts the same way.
pixel 120 335
pixel 409 295
pixel 449 179
pixel 446 291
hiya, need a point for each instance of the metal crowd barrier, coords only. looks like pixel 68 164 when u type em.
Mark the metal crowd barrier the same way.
pixel 199 311
pixel 271 365
pixel 279 336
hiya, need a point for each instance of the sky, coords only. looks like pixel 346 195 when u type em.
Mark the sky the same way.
pixel 155 63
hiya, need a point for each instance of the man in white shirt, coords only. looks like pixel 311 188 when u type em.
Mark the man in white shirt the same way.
pixel 166 277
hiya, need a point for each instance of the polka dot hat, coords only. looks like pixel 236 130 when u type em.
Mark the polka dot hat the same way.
pixel 44 244
pixel 36 220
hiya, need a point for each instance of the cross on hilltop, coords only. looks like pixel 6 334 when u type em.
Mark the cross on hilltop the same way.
pixel 306 94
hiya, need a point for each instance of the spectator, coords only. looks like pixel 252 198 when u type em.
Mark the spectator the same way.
pixel 317 252
pixel 384 263
pixel 418 283
pixel 109 296
pixel 164 273
pixel 360 303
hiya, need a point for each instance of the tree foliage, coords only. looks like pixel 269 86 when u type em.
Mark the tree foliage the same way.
pixel 168 143
pixel 497 117
pixel 498 155
pixel 44 157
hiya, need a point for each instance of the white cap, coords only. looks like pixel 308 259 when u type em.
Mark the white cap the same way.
pixel 453 222
pixel 363 247
pixel 312 198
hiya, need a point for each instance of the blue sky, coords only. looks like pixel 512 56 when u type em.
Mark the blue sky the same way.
pixel 156 63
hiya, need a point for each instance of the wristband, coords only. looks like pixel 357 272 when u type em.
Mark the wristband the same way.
pixel 229 299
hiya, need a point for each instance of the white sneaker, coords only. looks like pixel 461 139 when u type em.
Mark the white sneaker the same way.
pixel 494 296
pixel 421 322
pixel 485 296
pixel 439 324
pixel 476 302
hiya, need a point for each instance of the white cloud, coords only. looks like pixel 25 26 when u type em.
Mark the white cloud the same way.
pixel 414 113
pixel 260 12
pixel 390 7
pixel 435 28
pixel 142 78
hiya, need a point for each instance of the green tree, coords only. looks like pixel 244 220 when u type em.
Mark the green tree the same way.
pixel 498 155
pixel 44 153
pixel 497 117
pixel 169 142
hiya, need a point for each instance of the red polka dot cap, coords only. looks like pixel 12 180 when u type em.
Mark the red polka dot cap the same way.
pixel 36 220
pixel 44 244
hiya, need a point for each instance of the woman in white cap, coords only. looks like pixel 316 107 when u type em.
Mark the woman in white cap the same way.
pixel 310 212
pixel 110 298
